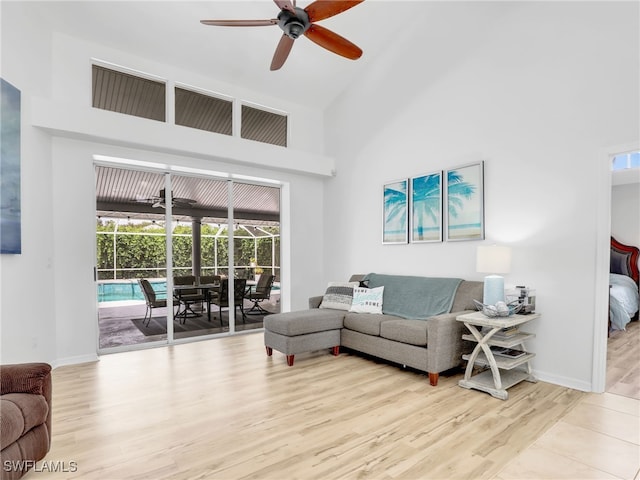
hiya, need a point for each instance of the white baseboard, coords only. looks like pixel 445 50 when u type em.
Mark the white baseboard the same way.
pixel 74 360
pixel 563 381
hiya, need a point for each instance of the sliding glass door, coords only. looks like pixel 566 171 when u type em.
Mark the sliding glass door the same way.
pixel 217 255
pixel 130 259
pixel 200 254
pixel 256 267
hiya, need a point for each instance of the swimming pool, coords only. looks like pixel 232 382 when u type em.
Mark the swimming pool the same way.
pixel 120 290
pixel 126 290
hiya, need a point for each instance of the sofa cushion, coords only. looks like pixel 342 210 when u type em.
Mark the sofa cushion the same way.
pixel 368 323
pixel 20 456
pixel 413 332
pixel 367 300
pixel 305 321
pixel 19 413
pixel 339 295
pixel 11 422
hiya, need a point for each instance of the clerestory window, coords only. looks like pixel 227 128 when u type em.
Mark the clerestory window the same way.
pixel 146 97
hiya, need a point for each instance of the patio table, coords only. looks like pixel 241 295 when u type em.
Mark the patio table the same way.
pixel 205 288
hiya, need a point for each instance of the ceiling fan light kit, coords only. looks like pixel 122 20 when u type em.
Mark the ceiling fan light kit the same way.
pixel 295 21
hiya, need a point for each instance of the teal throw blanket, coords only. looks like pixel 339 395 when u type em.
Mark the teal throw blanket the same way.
pixel 416 298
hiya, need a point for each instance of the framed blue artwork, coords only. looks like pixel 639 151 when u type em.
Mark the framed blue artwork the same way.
pixel 426 208
pixel 395 205
pixel 465 202
pixel 10 207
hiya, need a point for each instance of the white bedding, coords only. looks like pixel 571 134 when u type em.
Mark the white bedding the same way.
pixel 625 300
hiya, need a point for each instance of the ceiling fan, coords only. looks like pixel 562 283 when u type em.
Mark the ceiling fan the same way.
pixel 161 201
pixel 295 21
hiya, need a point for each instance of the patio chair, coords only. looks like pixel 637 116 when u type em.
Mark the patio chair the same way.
pixel 222 300
pixel 261 293
pixel 187 296
pixel 210 293
pixel 210 278
pixel 151 300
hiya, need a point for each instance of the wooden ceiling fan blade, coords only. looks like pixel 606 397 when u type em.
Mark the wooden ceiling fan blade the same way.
pixel 333 42
pixel 240 23
pixel 321 9
pixel 282 52
pixel 285 5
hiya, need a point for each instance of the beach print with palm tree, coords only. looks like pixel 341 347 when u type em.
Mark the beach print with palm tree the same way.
pixel 464 203
pixel 395 212
pixel 426 198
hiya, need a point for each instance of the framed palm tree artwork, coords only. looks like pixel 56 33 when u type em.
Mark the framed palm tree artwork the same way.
pixel 426 208
pixel 395 205
pixel 465 202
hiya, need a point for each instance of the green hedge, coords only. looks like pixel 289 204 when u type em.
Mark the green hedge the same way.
pixel 142 246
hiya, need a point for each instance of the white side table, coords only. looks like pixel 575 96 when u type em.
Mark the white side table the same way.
pixel 504 372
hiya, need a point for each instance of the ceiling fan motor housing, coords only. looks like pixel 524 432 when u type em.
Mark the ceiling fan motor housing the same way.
pixel 293 25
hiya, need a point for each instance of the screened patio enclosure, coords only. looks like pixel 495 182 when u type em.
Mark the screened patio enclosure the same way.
pixel 134 248
pixel 134 215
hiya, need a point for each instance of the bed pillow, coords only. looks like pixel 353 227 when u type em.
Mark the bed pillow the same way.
pixel 338 295
pixel 620 263
pixel 367 300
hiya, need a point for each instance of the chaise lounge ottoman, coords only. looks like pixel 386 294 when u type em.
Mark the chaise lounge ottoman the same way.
pixel 304 331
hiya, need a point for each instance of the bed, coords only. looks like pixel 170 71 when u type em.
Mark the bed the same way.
pixel 624 285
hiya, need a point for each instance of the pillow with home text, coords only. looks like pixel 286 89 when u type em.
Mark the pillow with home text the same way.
pixel 367 300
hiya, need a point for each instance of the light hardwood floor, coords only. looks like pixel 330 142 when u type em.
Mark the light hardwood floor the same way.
pixel 222 409
pixel 623 362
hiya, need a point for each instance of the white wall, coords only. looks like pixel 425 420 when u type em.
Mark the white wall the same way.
pixel 27 326
pixel 48 308
pixel 625 213
pixel 536 90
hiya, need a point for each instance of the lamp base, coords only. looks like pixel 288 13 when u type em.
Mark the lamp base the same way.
pixel 493 289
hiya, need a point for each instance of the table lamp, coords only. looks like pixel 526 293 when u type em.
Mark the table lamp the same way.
pixel 493 260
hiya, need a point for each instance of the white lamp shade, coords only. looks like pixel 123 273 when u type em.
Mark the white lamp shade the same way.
pixel 493 259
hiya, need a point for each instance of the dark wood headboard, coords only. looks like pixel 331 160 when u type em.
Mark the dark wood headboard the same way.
pixel 624 260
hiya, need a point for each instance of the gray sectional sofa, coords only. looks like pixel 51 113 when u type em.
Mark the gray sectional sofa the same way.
pixel 432 344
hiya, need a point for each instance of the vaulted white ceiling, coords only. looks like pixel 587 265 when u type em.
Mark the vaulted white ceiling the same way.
pixel 401 37
pixel 170 32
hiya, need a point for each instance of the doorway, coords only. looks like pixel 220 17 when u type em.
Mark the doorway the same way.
pixel 169 228
pixel 623 373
